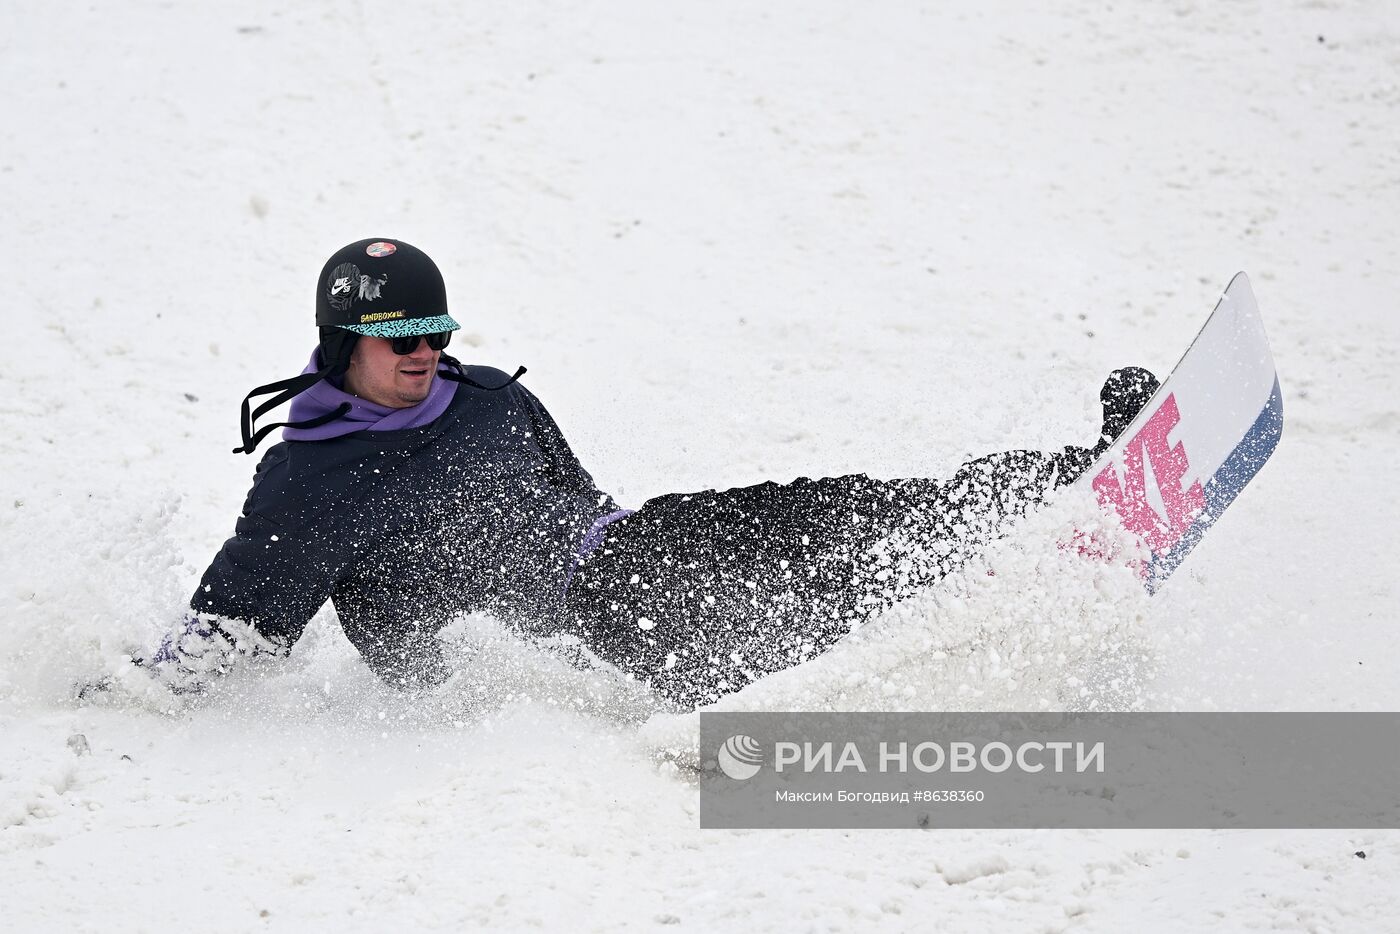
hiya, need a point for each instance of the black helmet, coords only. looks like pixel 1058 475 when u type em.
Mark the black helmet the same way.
pixel 382 288
pixel 373 288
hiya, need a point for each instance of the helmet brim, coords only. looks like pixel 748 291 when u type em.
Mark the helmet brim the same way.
pixel 404 327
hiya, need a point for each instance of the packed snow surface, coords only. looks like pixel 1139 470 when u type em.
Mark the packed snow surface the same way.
pixel 733 242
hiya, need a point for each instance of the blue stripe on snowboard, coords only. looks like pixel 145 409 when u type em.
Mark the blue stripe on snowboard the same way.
pixel 1239 468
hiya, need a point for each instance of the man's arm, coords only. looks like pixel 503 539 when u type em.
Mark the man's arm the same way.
pixel 270 574
pixel 263 586
pixel 255 599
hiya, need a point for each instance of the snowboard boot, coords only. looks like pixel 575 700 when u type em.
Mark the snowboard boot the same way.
pixel 1123 395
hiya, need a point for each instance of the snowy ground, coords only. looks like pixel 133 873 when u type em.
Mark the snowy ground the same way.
pixel 733 242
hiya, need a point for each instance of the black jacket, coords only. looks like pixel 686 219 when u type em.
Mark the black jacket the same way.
pixel 482 510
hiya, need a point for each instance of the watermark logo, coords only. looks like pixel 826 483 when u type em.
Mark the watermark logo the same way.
pixel 979 769
pixel 740 757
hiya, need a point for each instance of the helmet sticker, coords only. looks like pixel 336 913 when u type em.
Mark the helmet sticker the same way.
pixel 380 249
pixel 346 283
pixel 369 288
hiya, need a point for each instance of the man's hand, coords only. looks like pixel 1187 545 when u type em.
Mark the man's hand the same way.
pixel 191 656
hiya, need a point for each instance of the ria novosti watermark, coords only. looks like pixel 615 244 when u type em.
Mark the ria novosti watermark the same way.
pixel 740 757
pixel 1050 770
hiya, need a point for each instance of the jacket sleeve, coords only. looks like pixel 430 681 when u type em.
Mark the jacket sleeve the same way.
pixel 278 568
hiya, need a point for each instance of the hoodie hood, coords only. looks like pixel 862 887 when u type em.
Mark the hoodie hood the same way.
pixel 324 397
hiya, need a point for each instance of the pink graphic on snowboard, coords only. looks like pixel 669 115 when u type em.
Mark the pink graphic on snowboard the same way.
pixel 1128 496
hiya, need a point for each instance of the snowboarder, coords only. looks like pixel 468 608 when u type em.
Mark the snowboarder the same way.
pixel 410 488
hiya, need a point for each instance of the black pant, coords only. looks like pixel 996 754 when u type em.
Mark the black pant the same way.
pixel 701 593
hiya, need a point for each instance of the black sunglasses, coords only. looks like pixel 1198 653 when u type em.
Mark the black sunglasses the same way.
pixel 403 346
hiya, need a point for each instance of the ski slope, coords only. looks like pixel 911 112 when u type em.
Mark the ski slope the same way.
pixel 732 242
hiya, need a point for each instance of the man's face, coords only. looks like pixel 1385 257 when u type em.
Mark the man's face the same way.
pixel 379 375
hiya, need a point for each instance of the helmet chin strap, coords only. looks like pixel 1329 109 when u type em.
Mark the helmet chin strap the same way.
pixel 334 353
pixel 461 375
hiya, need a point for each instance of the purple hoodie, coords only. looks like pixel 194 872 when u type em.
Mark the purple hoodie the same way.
pixel 364 415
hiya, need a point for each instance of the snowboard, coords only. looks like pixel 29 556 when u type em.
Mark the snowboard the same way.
pixel 1205 433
